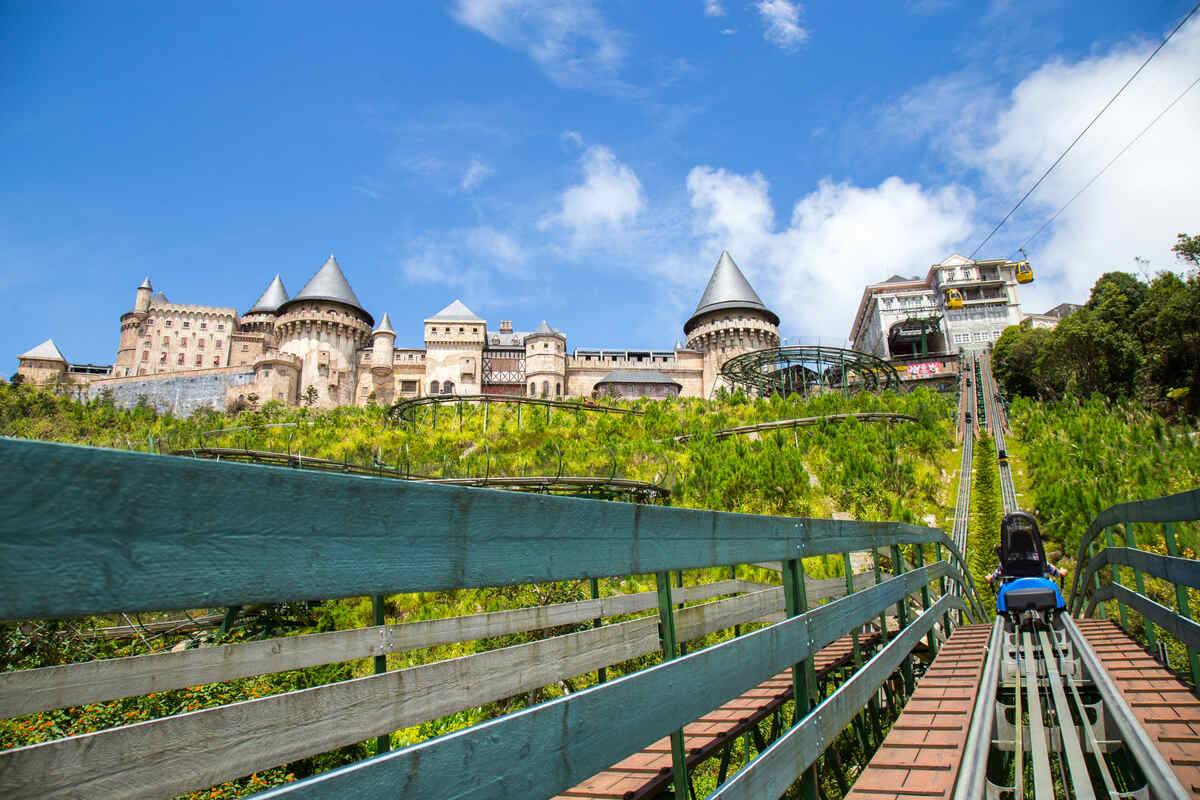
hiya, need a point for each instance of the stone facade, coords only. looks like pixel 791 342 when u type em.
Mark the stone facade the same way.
pixel 320 348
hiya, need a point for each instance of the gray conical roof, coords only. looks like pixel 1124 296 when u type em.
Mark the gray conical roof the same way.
pixel 330 284
pixel 146 284
pixel 385 325
pixel 544 329
pixel 270 300
pixel 46 351
pixel 728 288
pixel 159 299
pixel 456 312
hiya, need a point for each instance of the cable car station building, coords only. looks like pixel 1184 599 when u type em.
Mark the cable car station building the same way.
pixel 911 320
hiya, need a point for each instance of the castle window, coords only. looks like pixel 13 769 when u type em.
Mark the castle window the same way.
pixel 221 327
pixel 266 373
pixel 434 387
pixel 167 323
pixel 545 345
pixel 218 343
pixel 187 324
pixel 448 387
pixel 245 347
pixel 217 361
pixel 166 341
pixel 545 388
pixel 180 359
pixel 460 329
pixel 199 360
pixel 203 325
pixel 145 355
pixel 558 390
pixel 408 386
pixel 474 330
pixel 162 358
pixel 201 344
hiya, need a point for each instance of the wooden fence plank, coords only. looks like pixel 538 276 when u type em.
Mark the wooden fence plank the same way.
pixel 89 531
pixel 195 750
pixel 1182 628
pixel 29 691
pixel 540 751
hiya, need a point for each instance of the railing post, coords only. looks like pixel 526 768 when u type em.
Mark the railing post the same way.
pixel 666 628
pixel 919 561
pixel 737 629
pixel 1095 581
pixel 1131 541
pixel 679 583
pixel 378 606
pixel 942 591
pixel 860 725
pixel 883 631
pixel 902 621
pixel 602 672
pixel 1116 577
pixel 795 601
pixel 1181 597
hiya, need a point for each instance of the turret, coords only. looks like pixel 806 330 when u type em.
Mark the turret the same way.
pixel 141 302
pixel 730 319
pixel 546 362
pixel 383 344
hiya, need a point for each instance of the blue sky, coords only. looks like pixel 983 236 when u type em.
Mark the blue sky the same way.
pixel 582 162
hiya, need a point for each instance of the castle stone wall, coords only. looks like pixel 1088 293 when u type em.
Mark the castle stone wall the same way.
pixel 178 393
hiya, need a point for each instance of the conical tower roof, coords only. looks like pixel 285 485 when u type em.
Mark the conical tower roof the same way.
pixel 728 288
pixel 46 351
pixel 544 329
pixel 270 300
pixel 330 284
pixel 385 325
pixel 146 284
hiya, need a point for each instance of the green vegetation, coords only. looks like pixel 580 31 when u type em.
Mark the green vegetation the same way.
pixel 1132 339
pixel 986 511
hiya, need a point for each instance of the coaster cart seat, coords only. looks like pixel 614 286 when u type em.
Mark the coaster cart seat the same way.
pixel 1023 585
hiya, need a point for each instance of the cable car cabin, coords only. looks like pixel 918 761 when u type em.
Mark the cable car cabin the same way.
pixel 1023 583
pixel 953 298
pixel 1024 272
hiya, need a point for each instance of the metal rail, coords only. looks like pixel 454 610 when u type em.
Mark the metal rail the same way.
pixel 401 410
pixel 801 422
pixel 995 415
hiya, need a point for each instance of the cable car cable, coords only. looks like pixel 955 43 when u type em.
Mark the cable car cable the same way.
pixel 1096 177
pixel 1085 130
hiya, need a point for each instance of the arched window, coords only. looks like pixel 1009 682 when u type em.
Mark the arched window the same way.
pixel 558 390
pixel 434 388
pixel 545 388
pixel 448 387
pixel 533 390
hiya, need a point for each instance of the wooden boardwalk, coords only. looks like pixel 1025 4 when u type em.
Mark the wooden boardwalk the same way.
pixel 1163 704
pixel 649 773
pixel 921 755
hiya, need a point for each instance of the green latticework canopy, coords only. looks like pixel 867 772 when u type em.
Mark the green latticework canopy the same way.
pixel 809 369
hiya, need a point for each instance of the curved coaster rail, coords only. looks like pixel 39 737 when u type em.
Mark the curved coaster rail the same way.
pixel 803 422
pixel 87 531
pixel 810 369
pixel 404 410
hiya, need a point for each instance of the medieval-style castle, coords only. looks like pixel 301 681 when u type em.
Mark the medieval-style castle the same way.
pixel 323 348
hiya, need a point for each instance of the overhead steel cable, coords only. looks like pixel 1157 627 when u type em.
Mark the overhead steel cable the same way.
pixel 1096 177
pixel 1084 131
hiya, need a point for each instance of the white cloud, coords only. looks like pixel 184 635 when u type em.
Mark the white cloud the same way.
pixel 782 20
pixel 568 39
pixel 574 137
pixel 728 31
pixel 714 8
pixel 609 197
pixel 839 238
pixel 476 173
pixel 1009 139
pixel 469 259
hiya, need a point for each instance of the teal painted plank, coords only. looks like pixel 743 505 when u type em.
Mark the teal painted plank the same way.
pixel 1180 571
pixel 1182 628
pixel 543 750
pixel 777 767
pixel 86 530
pixel 1178 507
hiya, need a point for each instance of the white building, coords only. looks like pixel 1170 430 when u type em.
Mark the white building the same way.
pixel 908 317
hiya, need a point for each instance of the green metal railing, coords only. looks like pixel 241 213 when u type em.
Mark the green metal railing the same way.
pixel 1183 573
pixel 88 531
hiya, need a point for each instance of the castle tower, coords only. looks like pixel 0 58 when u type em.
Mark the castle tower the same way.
pixel 323 326
pixel 260 317
pixel 44 364
pixel 382 346
pixel 141 302
pixel 132 327
pixel 546 362
pixel 730 319
pixel 454 339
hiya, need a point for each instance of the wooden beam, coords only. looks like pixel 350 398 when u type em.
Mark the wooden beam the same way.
pixel 88 531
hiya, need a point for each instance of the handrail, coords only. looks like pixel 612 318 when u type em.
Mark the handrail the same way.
pixel 1179 507
pixel 398 412
pixel 1182 572
pixel 88 531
